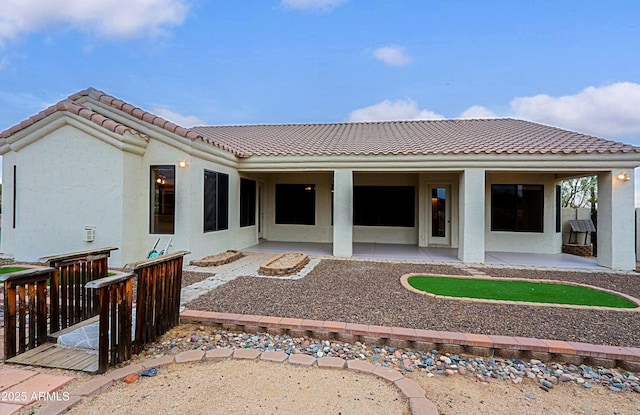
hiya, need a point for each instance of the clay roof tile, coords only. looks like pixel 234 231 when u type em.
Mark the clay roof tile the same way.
pixel 488 136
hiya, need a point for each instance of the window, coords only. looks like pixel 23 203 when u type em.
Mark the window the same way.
pixel 517 207
pixel 216 201
pixel 15 197
pixel 247 202
pixel 163 199
pixel 558 209
pixel 296 204
pixel 384 206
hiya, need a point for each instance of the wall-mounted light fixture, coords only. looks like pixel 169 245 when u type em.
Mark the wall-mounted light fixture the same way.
pixel 183 163
pixel 623 176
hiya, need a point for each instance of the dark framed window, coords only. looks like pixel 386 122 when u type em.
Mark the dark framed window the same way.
pixel 296 204
pixel 216 201
pixel 558 208
pixel 14 196
pixel 384 206
pixel 247 202
pixel 162 200
pixel 517 207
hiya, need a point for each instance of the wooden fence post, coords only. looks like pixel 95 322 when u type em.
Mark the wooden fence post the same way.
pixel 158 296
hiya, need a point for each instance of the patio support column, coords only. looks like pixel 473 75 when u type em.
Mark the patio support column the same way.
pixel 471 216
pixel 616 218
pixel 343 212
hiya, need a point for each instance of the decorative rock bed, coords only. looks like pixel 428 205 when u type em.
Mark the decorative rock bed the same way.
pixel 218 259
pixel 578 249
pixel 284 264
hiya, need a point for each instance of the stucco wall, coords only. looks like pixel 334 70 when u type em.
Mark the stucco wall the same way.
pixel 189 218
pixel 66 181
pixel 547 242
pixel 322 231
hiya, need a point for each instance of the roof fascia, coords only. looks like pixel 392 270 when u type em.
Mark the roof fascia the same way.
pixel 167 137
pixel 206 151
pixel 131 143
pixel 519 162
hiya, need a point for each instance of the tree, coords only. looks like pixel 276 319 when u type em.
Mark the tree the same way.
pixel 581 192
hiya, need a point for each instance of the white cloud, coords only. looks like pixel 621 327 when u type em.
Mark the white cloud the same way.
pixel 109 18
pixel 325 5
pixel 388 110
pixel 477 111
pixel 392 55
pixel 186 121
pixel 608 111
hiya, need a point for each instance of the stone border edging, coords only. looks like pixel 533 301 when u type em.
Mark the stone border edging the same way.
pixel 404 280
pixel 267 269
pixel 223 258
pixel 416 397
pixel 426 340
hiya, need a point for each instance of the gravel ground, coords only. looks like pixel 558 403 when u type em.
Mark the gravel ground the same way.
pixel 190 277
pixel 371 293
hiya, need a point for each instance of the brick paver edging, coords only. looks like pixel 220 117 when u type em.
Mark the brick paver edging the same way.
pixel 404 280
pixel 426 340
pixel 418 403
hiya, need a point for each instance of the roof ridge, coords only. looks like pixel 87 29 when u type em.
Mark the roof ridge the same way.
pixel 68 105
pixel 136 112
pixel 149 117
pixel 311 124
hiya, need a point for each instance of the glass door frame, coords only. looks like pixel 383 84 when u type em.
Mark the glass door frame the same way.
pixel 431 215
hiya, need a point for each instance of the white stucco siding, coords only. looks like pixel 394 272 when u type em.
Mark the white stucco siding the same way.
pixel 343 212
pixel 65 181
pixel 7 240
pixel 189 209
pixel 322 231
pixel 547 242
pixel 471 229
pixel 616 242
pixel 135 190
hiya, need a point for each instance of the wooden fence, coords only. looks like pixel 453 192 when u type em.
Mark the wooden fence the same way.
pixel 158 296
pixel 71 300
pixel 25 314
pixel 80 288
pixel 115 298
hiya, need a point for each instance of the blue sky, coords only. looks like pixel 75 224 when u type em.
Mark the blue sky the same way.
pixel 566 63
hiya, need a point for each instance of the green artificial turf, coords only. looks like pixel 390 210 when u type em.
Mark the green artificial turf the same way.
pixel 535 292
pixel 7 270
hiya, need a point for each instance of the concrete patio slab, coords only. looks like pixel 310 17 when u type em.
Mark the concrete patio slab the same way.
pixel 403 252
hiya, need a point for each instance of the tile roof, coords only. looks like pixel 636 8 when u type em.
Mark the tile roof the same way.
pixel 135 112
pixel 489 136
pixel 74 108
pixel 436 137
pixel 148 117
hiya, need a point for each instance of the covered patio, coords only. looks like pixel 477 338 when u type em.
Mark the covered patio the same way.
pixel 379 251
